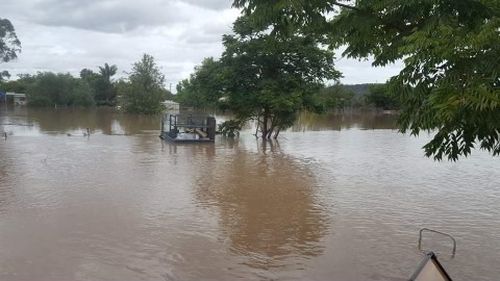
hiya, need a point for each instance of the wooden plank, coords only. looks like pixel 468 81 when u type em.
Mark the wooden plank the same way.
pixel 201 133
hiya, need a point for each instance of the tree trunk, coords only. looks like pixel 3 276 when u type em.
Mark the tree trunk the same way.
pixel 264 125
pixel 270 132
pixel 276 134
pixel 271 129
pixel 258 127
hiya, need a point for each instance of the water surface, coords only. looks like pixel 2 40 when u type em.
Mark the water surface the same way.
pixel 339 197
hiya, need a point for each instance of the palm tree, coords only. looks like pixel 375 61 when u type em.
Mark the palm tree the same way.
pixel 108 89
pixel 107 71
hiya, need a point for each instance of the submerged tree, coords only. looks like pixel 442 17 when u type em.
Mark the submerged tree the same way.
pixel 106 91
pixel 144 91
pixel 269 78
pixel 50 89
pixel 450 48
pixel 204 87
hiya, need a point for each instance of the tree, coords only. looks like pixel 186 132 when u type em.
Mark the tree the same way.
pixel 270 78
pixel 450 48
pixel 101 84
pixel 106 91
pixel 4 74
pixel 92 79
pixel 333 97
pixel 380 97
pixel 144 91
pixel 204 87
pixel 50 89
pixel 10 45
pixel 88 75
pixel 20 85
pixel 107 71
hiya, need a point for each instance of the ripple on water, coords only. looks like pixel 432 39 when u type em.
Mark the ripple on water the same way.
pixel 323 205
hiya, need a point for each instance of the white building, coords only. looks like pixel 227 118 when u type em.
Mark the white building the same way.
pixel 15 98
pixel 171 106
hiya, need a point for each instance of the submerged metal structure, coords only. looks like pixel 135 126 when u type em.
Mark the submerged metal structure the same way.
pixel 188 128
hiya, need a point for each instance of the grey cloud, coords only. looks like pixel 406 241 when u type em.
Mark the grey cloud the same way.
pixel 207 33
pixel 106 15
pixel 68 35
pixel 212 4
pixel 112 16
pixel 355 71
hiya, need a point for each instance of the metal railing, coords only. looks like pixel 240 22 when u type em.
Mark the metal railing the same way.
pixel 420 235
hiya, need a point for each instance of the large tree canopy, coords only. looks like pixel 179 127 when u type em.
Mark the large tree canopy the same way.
pixel 270 78
pixel 204 87
pixel 450 48
pixel 50 89
pixel 104 89
pixel 10 45
pixel 144 91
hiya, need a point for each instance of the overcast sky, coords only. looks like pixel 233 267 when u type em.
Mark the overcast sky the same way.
pixel 68 35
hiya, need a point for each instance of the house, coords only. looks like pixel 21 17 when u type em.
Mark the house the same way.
pixel 12 97
pixel 171 106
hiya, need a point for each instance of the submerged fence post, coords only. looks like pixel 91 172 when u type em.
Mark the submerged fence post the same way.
pixel 211 123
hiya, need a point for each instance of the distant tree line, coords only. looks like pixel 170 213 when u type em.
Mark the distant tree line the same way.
pixel 200 91
pixel 365 96
pixel 141 92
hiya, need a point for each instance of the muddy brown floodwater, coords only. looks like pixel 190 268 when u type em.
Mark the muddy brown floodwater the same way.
pixel 339 197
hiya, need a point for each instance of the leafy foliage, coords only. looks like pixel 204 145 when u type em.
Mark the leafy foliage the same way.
pixel 10 45
pixel 104 89
pixel 19 86
pixel 230 128
pixel 380 97
pixel 334 97
pixel 204 87
pixel 106 92
pixel 144 91
pixel 270 78
pixel 450 48
pixel 49 89
pixel 4 74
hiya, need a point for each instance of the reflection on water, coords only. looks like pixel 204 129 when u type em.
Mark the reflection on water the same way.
pixel 266 206
pixel 102 120
pixel 341 121
pixel 108 122
pixel 343 201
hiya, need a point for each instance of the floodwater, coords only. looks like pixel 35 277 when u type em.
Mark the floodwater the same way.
pixel 339 197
